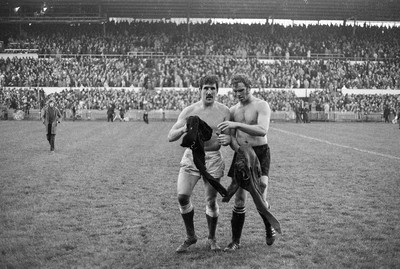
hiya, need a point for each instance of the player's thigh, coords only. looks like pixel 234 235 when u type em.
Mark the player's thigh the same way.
pixel 186 183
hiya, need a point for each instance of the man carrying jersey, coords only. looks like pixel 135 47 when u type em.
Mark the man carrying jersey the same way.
pixel 212 113
pixel 249 124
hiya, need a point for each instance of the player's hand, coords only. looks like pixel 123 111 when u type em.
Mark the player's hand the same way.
pixel 224 139
pixel 184 129
pixel 226 125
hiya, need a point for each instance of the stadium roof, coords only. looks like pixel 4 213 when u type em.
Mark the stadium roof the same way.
pixel 362 10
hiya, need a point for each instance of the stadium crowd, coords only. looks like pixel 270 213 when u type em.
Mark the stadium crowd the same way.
pixel 171 99
pixel 185 72
pixel 240 40
pixel 187 58
pixel 95 58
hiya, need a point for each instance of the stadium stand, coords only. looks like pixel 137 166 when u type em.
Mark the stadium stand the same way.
pixel 142 64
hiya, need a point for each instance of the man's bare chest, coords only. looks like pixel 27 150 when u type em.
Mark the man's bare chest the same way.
pixel 248 116
pixel 212 118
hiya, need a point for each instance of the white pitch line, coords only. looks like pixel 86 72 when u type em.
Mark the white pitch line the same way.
pixel 338 145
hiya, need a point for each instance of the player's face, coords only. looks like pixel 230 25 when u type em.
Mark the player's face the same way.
pixel 209 93
pixel 241 92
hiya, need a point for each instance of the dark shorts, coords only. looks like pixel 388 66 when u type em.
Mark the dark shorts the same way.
pixel 264 157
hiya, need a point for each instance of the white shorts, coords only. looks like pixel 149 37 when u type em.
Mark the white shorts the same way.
pixel 215 164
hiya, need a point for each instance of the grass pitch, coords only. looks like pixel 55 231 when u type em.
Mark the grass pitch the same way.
pixel 107 199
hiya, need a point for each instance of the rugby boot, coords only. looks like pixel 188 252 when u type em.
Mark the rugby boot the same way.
pixel 186 244
pixel 271 235
pixel 237 223
pixel 269 230
pixel 212 245
pixel 191 237
pixel 232 247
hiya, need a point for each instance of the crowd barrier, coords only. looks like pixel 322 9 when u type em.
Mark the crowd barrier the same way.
pixel 347 116
pixel 172 115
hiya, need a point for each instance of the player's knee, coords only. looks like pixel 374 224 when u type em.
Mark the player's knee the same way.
pixel 263 183
pixel 240 201
pixel 183 199
pixel 185 206
pixel 212 204
pixel 212 209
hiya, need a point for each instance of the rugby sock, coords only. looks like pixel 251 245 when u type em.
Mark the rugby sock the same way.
pixel 187 213
pixel 212 226
pixel 52 141
pixel 189 224
pixel 237 222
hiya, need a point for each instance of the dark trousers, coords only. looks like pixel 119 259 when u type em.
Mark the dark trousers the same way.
pixel 110 117
pixel 50 137
pixel 298 117
pixel 386 118
pixel 305 117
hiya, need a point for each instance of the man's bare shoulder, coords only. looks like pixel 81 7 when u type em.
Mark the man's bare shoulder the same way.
pixel 221 106
pixel 189 110
pixel 262 106
pixel 260 103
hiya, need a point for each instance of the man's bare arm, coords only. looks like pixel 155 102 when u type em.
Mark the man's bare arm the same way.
pixel 263 119
pixel 179 128
pixel 224 137
pixel 259 129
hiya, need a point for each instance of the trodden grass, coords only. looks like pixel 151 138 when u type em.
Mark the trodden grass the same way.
pixel 107 199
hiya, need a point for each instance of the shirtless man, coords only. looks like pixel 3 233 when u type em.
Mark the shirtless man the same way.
pixel 213 113
pixel 249 124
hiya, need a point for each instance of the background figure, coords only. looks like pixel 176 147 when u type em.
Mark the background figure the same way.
pixel 110 113
pixel 73 108
pixel 146 116
pixel 326 111
pixel 122 113
pixel 4 113
pixel 398 115
pixel 298 112
pixel 305 113
pixel 118 115
pixel 386 113
pixel 51 115
pixel 27 107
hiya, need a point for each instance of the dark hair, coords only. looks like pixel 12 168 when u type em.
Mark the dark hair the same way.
pixel 208 79
pixel 241 78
